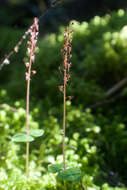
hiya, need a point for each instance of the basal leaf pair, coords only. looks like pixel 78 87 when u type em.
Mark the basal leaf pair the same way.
pixel 70 174
pixel 23 137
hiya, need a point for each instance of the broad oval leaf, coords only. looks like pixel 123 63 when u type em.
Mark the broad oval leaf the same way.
pixel 36 132
pixel 21 137
pixel 71 174
pixel 54 168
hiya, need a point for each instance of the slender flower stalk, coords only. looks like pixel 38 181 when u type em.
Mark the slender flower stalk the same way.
pixel 64 118
pixel 31 53
pixel 66 53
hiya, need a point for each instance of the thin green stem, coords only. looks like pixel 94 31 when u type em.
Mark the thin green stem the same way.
pixel 27 159
pixel 64 118
pixel 27 118
pixel 65 187
pixel 64 124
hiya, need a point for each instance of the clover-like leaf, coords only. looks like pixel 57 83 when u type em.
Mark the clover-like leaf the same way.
pixel 36 132
pixel 21 137
pixel 54 168
pixel 70 174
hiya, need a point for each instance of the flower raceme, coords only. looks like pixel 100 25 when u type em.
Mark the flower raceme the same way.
pixel 32 46
pixel 66 53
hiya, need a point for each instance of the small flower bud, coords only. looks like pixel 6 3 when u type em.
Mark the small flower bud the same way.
pixel 27 76
pixel 65 35
pixel 16 49
pixel 32 58
pixel 6 61
pixel 27 64
pixel 60 88
pixel 24 37
pixel 28 50
pixel 34 72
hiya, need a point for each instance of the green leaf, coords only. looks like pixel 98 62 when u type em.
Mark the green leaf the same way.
pixel 71 174
pixel 54 168
pixel 36 132
pixel 21 137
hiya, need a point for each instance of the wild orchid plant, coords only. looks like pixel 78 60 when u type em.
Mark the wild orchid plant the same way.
pixel 65 172
pixel 29 135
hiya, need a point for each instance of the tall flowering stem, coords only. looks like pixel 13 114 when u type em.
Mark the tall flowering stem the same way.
pixel 31 53
pixel 66 53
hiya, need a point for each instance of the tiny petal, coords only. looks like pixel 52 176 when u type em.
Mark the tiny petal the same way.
pixel 27 64
pixel 27 76
pixel 6 61
pixel 60 88
pixel 65 35
pixel 24 37
pixel 28 49
pixel 32 58
pixel 16 49
pixel 70 97
pixel 34 72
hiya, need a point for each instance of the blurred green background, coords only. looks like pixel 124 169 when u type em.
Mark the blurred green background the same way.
pixel 96 135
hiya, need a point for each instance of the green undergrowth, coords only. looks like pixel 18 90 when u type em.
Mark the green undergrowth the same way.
pixel 90 145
